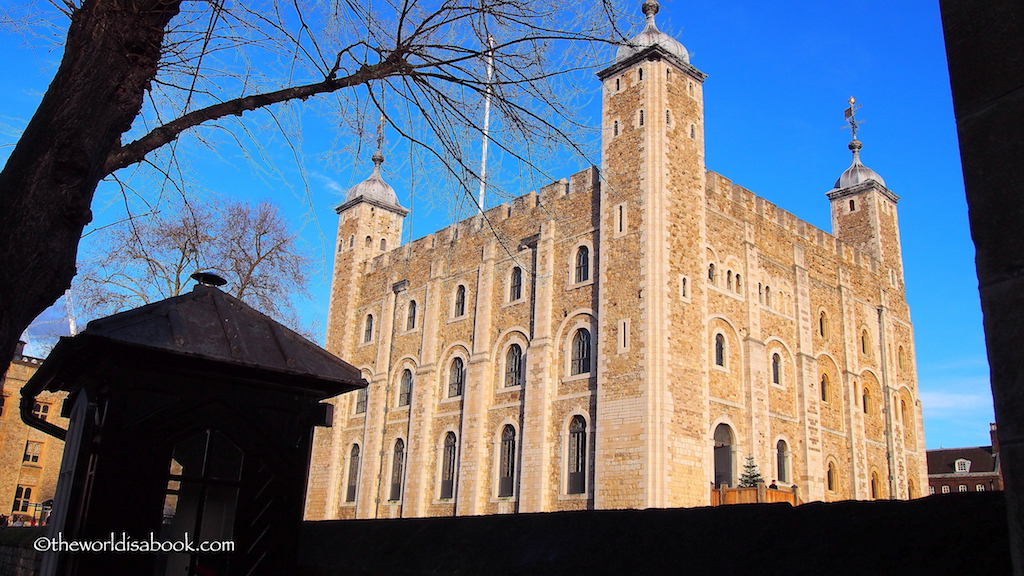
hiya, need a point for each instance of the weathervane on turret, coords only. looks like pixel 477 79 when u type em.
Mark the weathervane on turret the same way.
pixel 851 118
pixel 378 156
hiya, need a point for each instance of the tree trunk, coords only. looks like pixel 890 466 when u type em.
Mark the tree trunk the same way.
pixel 46 189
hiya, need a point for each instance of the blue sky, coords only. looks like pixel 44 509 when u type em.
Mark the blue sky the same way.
pixel 779 76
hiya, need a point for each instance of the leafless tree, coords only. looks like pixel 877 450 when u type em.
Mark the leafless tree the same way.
pixel 138 75
pixel 152 257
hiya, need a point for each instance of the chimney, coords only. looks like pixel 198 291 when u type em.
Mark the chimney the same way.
pixel 992 432
pixel 19 351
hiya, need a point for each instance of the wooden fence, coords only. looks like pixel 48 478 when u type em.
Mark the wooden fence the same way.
pixel 760 494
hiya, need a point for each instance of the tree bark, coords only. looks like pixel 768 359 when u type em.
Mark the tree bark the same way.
pixel 46 188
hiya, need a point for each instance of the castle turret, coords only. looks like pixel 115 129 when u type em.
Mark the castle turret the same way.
pixel 651 360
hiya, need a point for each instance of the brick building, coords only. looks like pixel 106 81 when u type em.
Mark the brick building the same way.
pixel 624 337
pixel 973 469
pixel 29 459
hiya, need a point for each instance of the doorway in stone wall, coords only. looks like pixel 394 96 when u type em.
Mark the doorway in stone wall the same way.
pixel 723 456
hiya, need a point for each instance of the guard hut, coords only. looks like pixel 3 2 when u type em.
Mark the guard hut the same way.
pixel 191 419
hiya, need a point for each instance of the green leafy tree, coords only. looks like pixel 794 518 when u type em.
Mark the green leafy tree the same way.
pixel 751 476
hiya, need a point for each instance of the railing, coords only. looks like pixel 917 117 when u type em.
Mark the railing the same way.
pixel 760 494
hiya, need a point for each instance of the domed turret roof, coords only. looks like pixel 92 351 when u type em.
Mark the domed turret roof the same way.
pixel 651 36
pixel 374 188
pixel 857 172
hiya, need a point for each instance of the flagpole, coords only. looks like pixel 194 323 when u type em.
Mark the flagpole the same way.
pixel 487 121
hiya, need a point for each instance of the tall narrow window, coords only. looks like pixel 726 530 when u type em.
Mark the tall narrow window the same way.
pixel 582 264
pixel 824 387
pixel 617 84
pixel 641 73
pixel 874 485
pixel 514 366
pixel 668 117
pixel 456 378
pixel 830 477
pixel 460 302
pixel 853 206
pixel 33 450
pixel 719 350
pixel 866 401
pixel 448 467
pixel 641 117
pixel 580 352
pixel 361 401
pixel 865 345
pixel 739 284
pixel 410 320
pixel 768 296
pixel 904 414
pixel 615 129
pixel 577 455
pixel 515 287
pixel 405 392
pixel 383 244
pixel 397 469
pixel 507 466
pixel 693 132
pixel 900 358
pixel 711 273
pixel 781 457
pixel 776 369
pixel 823 325
pixel 368 328
pixel 353 474
pixel 682 288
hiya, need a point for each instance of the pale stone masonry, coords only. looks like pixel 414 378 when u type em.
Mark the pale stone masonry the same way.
pixel 626 336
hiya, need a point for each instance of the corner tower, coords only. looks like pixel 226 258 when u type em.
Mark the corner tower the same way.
pixel 864 210
pixel 652 401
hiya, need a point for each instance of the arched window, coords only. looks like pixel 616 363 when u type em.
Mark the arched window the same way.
pixel 351 240
pixel 866 401
pixel 410 320
pixel 456 378
pixel 739 284
pixel 383 244
pixel 582 264
pixel 514 366
pixel 361 401
pixel 617 84
pixel 507 465
pixel 460 302
pixel 823 325
pixel 405 391
pixel 580 353
pixel 865 344
pixel 776 369
pixel 723 456
pixel 824 387
pixel 912 491
pixel 577 455
pixel 369 242
pixel 874 485
pixel 515 286
pixel 830 477
pixel 711 273
pixel 353 474
pixel 781 460
pixel 448 467
pixel 641 73
pixel 904 414
pixel 768 296
pixel 900 358
pixel 368 329
pixel 719 350
pixel 728 279
pixel 397 469
pixel 853 206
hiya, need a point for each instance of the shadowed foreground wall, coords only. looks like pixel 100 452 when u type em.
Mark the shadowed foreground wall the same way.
pixel 948 534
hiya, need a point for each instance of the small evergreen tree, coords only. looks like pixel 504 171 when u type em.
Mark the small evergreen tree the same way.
pixel 750 476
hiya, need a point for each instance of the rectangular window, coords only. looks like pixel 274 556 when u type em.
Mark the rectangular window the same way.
pixel 41 411
pixel 945 489
pixel 979 488
pixel 22 499
pixel 33 450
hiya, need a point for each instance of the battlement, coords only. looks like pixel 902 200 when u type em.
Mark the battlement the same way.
pixel 748 206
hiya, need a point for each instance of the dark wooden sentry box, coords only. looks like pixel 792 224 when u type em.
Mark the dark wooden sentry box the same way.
pixel 194 414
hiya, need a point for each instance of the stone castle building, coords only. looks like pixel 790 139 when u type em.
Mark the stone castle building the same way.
pixel 623 338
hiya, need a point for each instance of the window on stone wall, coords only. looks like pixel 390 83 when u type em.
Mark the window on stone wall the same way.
pixel 353 474
pixel 577 456
pixel 369 242
pixel 410 319
pixel 615 128
pixel 693 132
pixel 853 206
pixel 582 264
pixel 459 309
pixel 900 358
pixel 515 287
pixel 397 470
pixel 979 488
pixel 41 410
pixel 641 117
pixel 719 350
pixel 514 368
pixel 361 401
pixel 739 284
pixel 945 489
pixel 865 342
pixel 728 279
pixel 963 488
pixel 22 499
pixel 711 273
pixel 782 460
pixel 33 450
pixel 448 467
pixel 776 369
pixel 405 391
pixel 580 363
pixel 830 477
pixel 641 74
pixel 368 328
pixel 824 388
pixel 874 486
pixel 823 325
pixel 768 296
pixel 456 378
pixel 866 401
pixel 507 463
pixel 383 244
